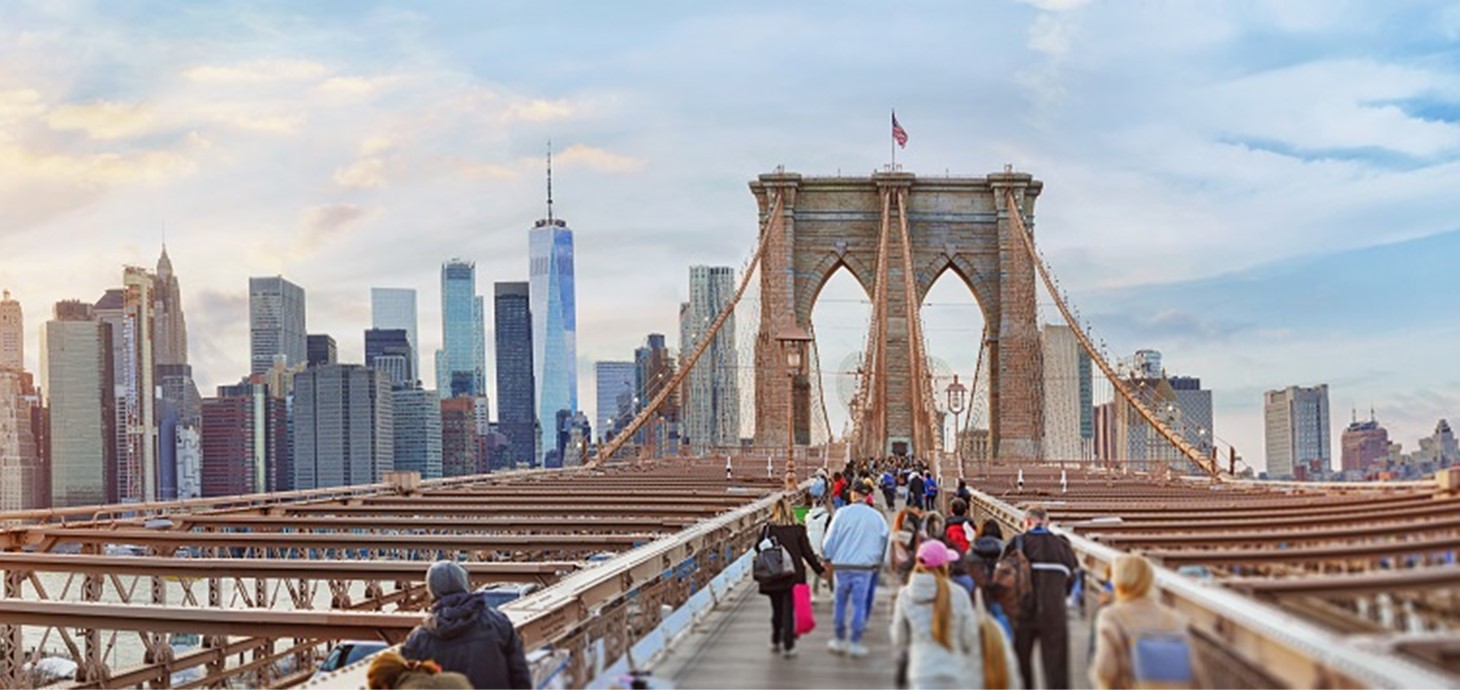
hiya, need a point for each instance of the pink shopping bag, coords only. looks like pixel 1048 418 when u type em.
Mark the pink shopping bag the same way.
pixel 805 617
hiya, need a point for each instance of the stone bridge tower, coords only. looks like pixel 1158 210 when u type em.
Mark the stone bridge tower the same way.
pixel 896 233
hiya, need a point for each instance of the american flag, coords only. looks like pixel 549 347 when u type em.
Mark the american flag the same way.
pixel 898 133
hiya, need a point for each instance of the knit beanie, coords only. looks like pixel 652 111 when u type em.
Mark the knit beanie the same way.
pixel 446 577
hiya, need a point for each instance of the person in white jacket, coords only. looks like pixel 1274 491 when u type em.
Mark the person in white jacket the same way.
pixel 934 623
pixel 817 520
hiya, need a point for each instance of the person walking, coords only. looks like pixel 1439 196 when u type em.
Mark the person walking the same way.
pixel 889 488
pixel 983 558
pixel 785 531
pixel 464 634
pixel 389 670
pixel 915 488
pixel 818 518
pixel 838 490
pixel 1140 642
pixel 1052 567
pixel 855 542
pixel 935 626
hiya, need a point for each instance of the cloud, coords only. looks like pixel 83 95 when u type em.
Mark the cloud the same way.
pixel 319 224
pixel 364 173
pixel 538 110
pixel 1056 5
pixel 92 170
pixel 598 159
pixel 250 118
pixel 493 171
pixel 102 119
pixel 19 105
pixel 357 86
pixel 257 72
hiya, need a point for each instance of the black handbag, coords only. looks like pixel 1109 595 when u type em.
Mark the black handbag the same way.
pixel 771 563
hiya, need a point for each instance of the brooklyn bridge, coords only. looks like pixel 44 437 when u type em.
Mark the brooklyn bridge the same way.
pixel 635 563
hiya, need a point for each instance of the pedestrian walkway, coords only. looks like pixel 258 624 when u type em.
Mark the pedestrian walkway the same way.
pixel 732 650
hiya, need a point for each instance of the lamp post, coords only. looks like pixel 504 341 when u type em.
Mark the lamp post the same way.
pixel 956 392
pixel 793 344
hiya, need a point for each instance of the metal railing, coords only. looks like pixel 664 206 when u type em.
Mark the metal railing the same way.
pixel 590 619
pixel 1245 642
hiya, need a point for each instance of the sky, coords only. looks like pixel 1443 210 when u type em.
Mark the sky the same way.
pixel 1265 191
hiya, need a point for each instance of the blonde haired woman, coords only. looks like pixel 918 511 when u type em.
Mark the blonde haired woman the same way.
pixel 785 531
pixel 1138 641
pixel 934 624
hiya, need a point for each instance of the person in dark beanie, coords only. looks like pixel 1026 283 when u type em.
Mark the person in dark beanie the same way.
pixel 464 634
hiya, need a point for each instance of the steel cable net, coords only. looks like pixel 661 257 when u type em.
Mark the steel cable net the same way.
pixel 1134 422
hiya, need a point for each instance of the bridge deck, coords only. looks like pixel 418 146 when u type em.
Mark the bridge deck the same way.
pixel 731 648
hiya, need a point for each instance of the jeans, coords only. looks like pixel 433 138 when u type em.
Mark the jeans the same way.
pixel 891 496
pixel 853 588
pixel 783 619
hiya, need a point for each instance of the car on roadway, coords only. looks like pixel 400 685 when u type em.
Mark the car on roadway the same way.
pixel 345 653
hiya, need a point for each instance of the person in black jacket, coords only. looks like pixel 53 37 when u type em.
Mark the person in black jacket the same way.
pixel 784 530
pixel 1052 568
pixel 464 634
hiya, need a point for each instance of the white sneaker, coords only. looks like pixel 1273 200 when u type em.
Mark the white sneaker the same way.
pixel 789 653
pixel 857 650
pixel 775 647
pixel 837 646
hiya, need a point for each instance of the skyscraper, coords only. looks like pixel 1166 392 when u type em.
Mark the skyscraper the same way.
pixel 231 460
pixel 77 371
pixel 554 323
pixel 1365 443
pixel 396 308
pixel 12 334
pixel 461 445
pixel 653 368
pixel 1068 415
pixel 1296 429
pixel 417 428
pixel 321 349
pixel 461 364
pixel 21 470
pixel 389 350
pixel 275 323
pixel 615 394
pixel 129 311
pixel 170 327
pixel 516 414
pixel 179 410
pixel 343 426
pixel 711 408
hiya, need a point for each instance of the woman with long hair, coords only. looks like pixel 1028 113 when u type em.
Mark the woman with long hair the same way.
pixel 391 670
pixel 1140 642
pixel 935 625
pixel 784 531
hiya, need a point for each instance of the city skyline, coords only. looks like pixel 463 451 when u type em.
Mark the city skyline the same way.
pixel 1336 152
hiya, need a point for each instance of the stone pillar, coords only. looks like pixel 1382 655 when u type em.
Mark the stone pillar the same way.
pixel 1017 374
pixel 777 310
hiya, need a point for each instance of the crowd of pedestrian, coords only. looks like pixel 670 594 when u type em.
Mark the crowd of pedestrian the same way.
pixel 971 605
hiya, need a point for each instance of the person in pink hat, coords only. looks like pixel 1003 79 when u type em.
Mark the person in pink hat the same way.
pixel 935 626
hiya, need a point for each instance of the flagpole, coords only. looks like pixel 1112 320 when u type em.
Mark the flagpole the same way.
pixel 893 145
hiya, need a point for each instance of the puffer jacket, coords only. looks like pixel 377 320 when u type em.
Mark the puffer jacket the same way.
pixel 930 664
pixel 465 635
pixel 817 520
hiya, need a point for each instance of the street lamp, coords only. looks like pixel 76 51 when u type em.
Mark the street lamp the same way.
pixel 793 343
pixel 956 391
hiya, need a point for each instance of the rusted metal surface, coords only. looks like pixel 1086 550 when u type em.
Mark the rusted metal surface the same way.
pixel 278 560
pixel 1258 644
pixel 197 568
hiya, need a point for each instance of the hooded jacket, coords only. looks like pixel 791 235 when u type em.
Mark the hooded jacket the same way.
pixel 930 663
pixel 464 634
